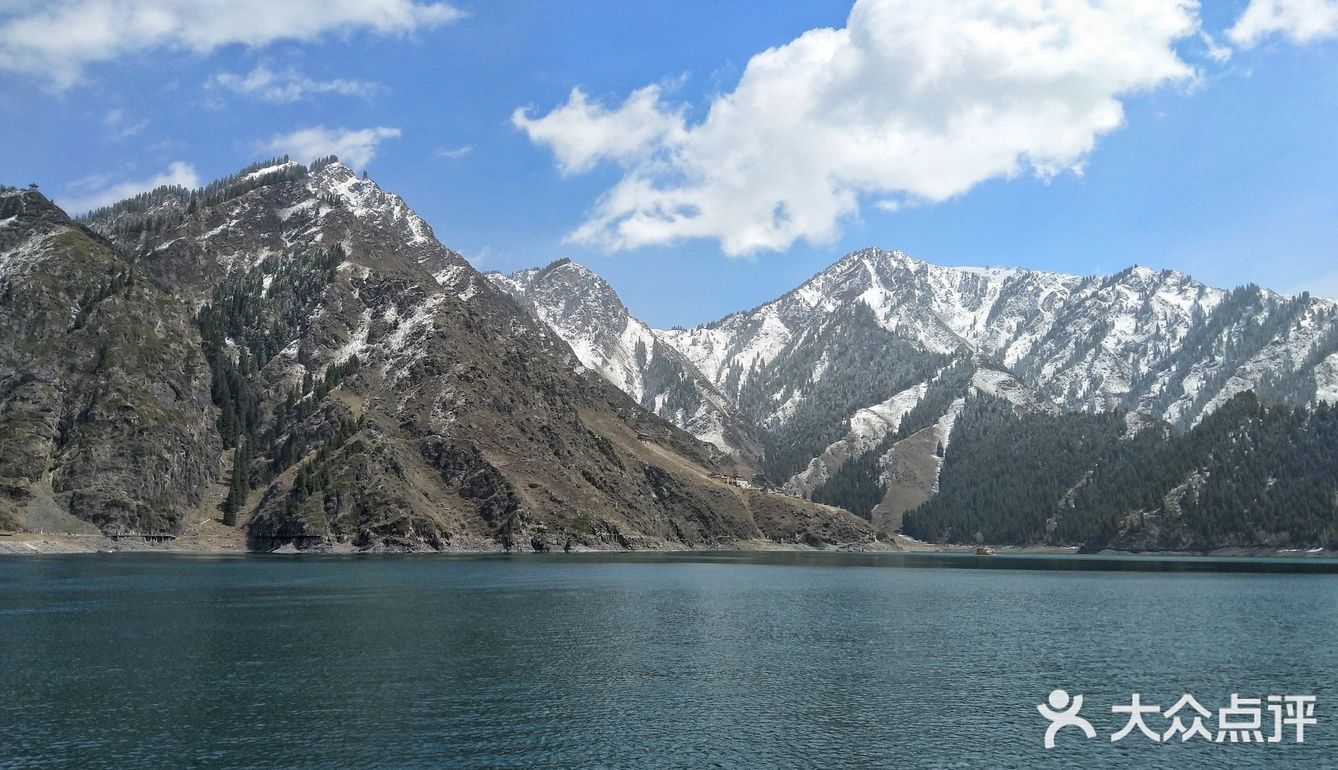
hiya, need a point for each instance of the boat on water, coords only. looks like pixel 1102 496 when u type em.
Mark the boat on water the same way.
pixel 985 550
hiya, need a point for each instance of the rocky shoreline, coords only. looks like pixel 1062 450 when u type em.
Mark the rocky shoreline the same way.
pixel 218 544
pixel 215 544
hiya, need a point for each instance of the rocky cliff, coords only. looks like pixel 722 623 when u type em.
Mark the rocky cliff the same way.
pixel 105 412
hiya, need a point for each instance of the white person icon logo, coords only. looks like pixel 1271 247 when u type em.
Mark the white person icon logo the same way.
pixel 1063 712
pixel 1243 721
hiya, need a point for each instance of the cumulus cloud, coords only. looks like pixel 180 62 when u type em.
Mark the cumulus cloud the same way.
pixel 94 192
pixel 57 39
pixel 910 102
pixel 1299 20
pixel 288 85
pixel 355 147
pixel 582 133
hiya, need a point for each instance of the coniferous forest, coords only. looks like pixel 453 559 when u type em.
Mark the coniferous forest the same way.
pixel 1250 473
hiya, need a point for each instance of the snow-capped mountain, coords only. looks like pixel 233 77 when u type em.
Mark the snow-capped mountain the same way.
pixel 1140 338
pixel 830 370
pixel 586 312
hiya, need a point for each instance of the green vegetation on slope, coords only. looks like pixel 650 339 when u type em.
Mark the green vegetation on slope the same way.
pixel 1250 473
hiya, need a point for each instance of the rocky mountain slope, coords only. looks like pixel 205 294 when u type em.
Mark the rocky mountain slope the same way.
pixel 104 391
pixel 585 311
pixel 829 374
pixel 1158 341
pixel 295 342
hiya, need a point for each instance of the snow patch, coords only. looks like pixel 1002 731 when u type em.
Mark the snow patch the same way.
pixel 357 342
pixel 269 170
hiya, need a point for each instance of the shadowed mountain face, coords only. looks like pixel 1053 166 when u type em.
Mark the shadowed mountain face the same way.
pixel 314 358
pixel 853 382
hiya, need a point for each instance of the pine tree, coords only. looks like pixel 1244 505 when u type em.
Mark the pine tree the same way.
pixel 240 486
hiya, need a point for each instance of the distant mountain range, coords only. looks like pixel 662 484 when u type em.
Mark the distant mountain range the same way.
pixel 291 354
pixel 852 384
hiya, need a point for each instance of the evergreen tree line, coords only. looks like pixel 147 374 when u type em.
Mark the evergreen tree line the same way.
pixel 846 344
pixel 1235 330
pixel 167 206
pixel 1250 473
pixel 121 282
pixel 242 327
pixel 1298 385
pixel 314 476
pixel 857 485
pixel 297 406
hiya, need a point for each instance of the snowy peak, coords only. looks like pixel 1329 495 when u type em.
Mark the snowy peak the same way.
pixel 1087 343
pixel 826 374
pixel 363 198
pixel 585 311
pixel 567 295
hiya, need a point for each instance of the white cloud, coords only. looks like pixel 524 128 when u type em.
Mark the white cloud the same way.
pixel 94 192
pixel 355 148
pixel 910 102
pixel 1300 20
pixel 454 153
pixel 581 133
pixel 288 86
pixel 57 39
pixel 122 126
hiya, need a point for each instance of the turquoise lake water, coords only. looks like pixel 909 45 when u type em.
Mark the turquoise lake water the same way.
pixel 647 661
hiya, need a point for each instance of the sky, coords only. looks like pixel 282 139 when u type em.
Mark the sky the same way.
pixel 706 157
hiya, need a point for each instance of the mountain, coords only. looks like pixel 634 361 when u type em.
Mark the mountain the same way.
pixel 292 349
pixel 104 390
pixel 854 380
pixel 1139 339
pixel 585 311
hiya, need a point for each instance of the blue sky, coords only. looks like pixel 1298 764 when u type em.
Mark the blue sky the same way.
pixel 1223 167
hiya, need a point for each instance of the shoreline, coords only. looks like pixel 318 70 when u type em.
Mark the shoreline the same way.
pixel 39 544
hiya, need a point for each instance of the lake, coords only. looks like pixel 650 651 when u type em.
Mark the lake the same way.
pixel 647 661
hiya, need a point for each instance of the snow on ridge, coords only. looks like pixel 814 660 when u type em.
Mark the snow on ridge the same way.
pixel 271 169
pixel 449 275
pixel 364 198
pixel 868 427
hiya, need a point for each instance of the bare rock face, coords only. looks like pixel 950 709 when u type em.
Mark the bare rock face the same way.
pixel 300 336
pixel 105 412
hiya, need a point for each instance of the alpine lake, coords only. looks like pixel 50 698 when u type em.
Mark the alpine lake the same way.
pixel 683 660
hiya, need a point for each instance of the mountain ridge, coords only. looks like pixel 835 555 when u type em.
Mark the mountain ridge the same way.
pixel 355 384
pixel 1155 343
